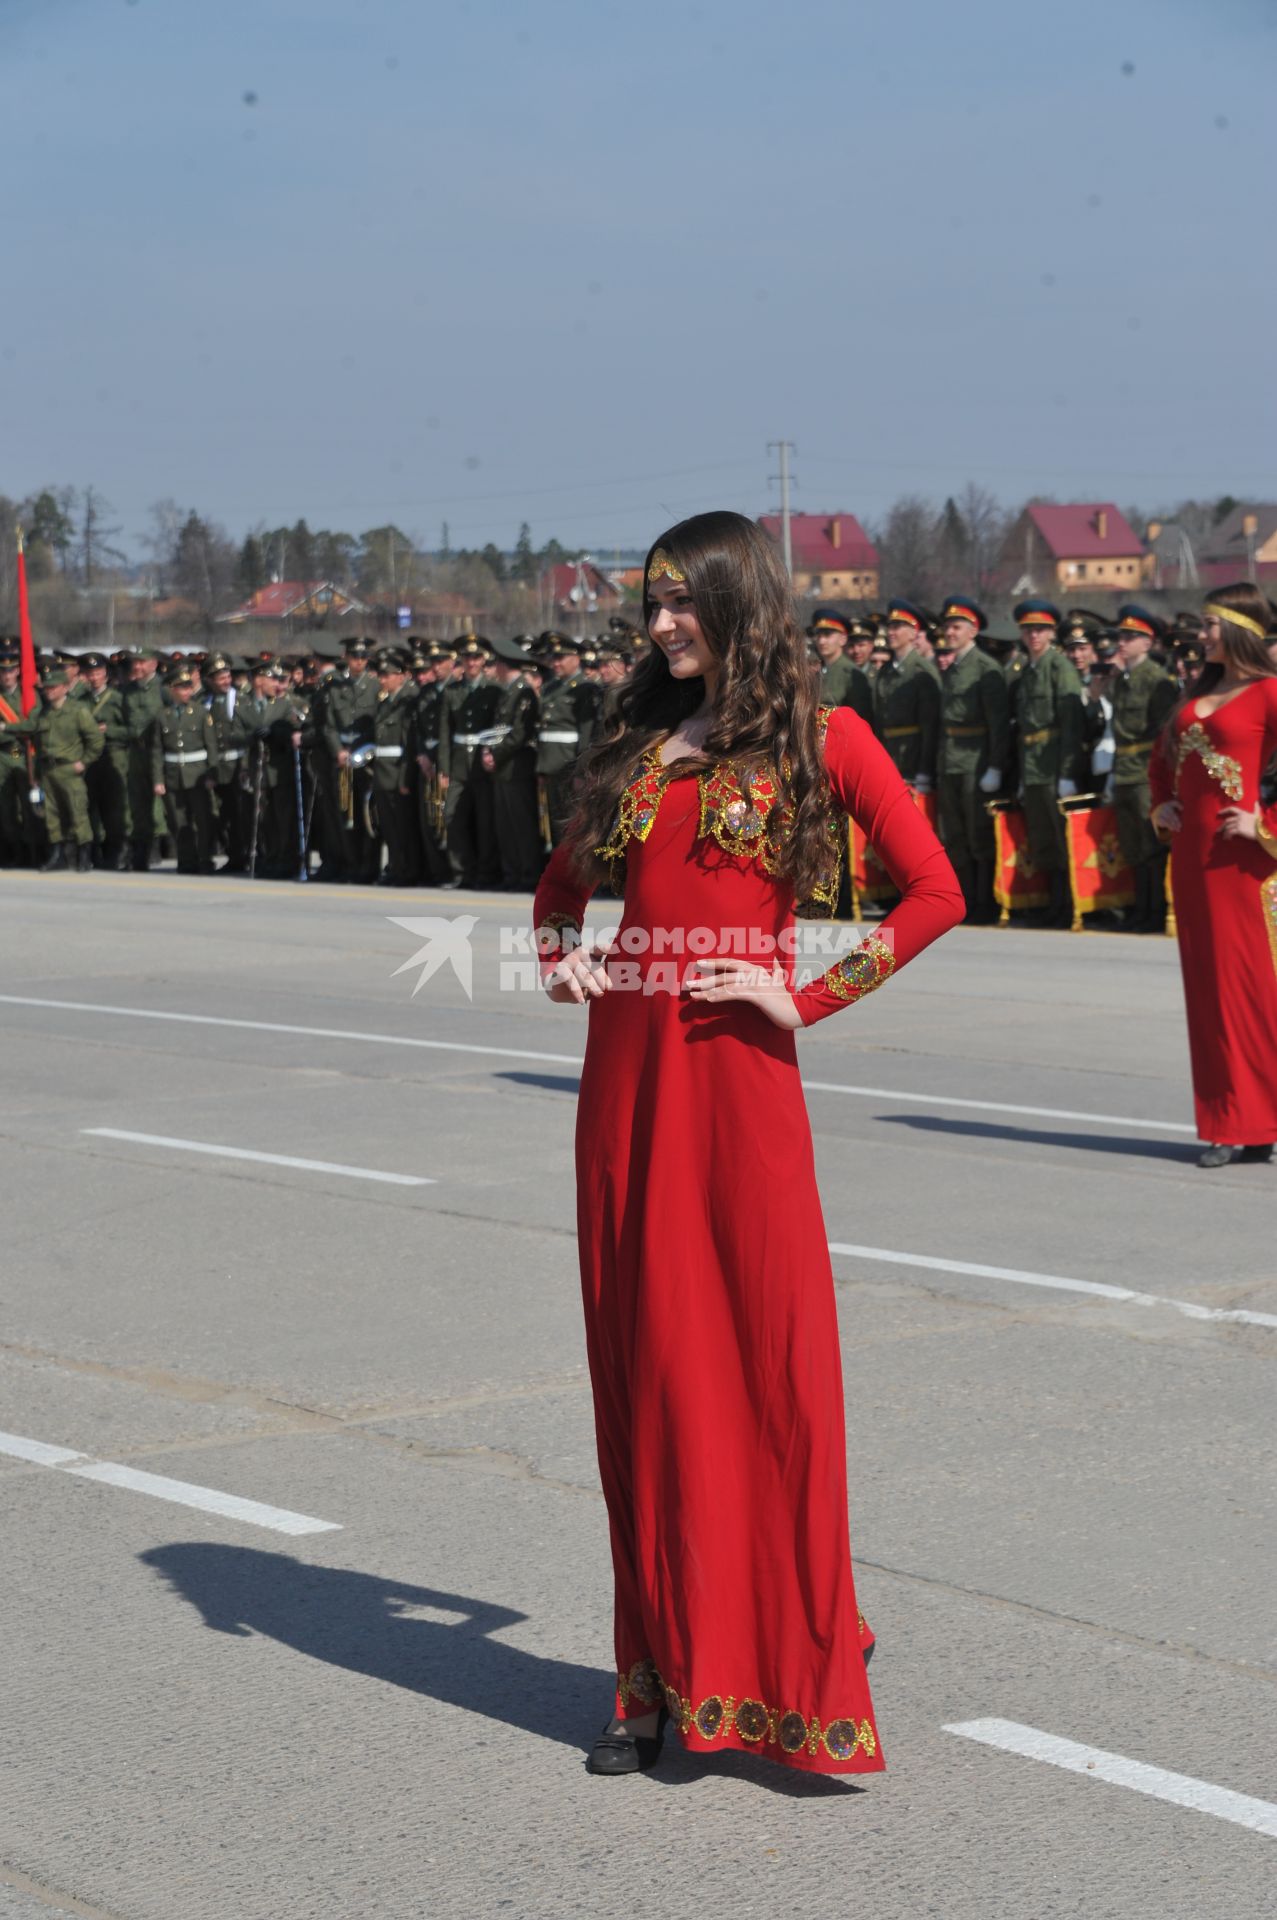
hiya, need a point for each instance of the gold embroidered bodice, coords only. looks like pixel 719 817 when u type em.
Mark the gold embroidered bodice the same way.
pixel 1220 766
pixel 748 815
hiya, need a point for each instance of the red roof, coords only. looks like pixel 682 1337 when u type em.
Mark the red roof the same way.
pixel 824 542
pixel 1086 532
pixel 282 598
pixel 566 581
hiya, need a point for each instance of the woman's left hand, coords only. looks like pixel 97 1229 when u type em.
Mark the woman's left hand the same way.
pixel 713 982
pixel 1236 824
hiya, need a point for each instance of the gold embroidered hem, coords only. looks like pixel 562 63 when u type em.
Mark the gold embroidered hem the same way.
pixel 1224 771
pixel 1268 901
pixel 718 1717
pixel 861 971
pixel 548 935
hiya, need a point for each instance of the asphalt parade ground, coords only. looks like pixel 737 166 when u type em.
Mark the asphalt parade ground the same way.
pixel 304 1591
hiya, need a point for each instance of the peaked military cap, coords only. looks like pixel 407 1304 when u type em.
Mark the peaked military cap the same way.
pixel 55 677
pixel 1133 619
pixel 906 610
pixel 960 606
pixel 391 660
pixel 829 620
pixel 90 661
pixel 1037 613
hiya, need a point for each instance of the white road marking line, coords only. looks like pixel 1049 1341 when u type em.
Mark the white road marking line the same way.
pixel 1191 1308
pixel 160 1487
pixel 268 1159
pixel 278 1519
pixel 311 1033
pixel 1125 1121
pixel 1093 1762
pixel 1001 1106
pixel 37 1451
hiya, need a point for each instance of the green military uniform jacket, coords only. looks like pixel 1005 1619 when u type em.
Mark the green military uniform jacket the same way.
pixel 570 712
pixel 109 715
pixel 222 710
pixel 843 684
pixel 62 735
pixel 907 713
pixel 142 702
pixel 975 731
pixel 183 747
pixel 344 716
pixel 272 724
pixel 517 719
pixel 393 730
pixel 428 716
pixel 1046 698
pixel 471 708
pixel 1142 701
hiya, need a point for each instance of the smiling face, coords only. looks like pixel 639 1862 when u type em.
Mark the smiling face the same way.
pixel 829 642
pixel 675 628
pixel 900 636
pixel 1212 637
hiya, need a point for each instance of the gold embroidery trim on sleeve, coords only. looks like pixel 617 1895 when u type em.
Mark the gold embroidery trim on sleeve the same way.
pixel 861 971
pixel 1266 837
pixel 549 934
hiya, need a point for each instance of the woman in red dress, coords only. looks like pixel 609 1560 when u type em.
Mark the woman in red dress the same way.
pixel 718 798
pixel 1205 780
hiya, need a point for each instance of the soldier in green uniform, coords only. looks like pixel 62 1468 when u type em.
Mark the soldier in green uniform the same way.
pixel 393 733
pixel 469 811
pixel 107 779
pixel 841 683
pixel 231 800
pixel 1046 706
pixel 66 742
pixel 907 697
pixel 571 710
pixel 143 698
pixel 510 758
pixel 184 758
pixel 15 848
pixel 1143 694
pixel 974 747
pixel 349 706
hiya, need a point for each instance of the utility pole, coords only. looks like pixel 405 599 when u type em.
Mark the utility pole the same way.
pixel 784 448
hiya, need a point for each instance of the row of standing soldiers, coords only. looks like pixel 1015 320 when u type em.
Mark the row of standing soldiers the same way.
pixel 1069 712
pixel 452 765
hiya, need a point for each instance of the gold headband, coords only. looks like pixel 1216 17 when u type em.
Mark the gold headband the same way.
pixel 661 564
pixel 1238 619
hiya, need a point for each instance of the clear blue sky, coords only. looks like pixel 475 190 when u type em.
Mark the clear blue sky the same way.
pixel 576 261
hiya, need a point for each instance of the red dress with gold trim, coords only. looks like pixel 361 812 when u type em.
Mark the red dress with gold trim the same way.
pixel 1225 894
pixel 709 1300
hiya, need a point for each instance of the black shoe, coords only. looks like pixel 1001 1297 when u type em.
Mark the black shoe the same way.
pixel 56 862
pixel 615 1753
pixel 1256 1156
pixel 84 860
pixel 1217 1155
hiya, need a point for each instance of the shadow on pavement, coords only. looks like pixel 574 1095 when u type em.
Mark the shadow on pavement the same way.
pixel 366 1625
pixel 549 1082
pixel 1034 1136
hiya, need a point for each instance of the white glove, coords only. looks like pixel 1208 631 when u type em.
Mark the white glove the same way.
pixel 991 781
pixel 1110 788
pixel 922 783
pixel 1066 788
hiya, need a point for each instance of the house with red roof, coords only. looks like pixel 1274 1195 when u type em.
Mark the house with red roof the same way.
pixel 1074 549
pixel 310 601
pixel 1242 547
pixel 579 587
pixel 834 558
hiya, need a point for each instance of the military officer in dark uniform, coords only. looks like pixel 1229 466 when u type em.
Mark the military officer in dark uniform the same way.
pixel 907 697
pixel 841 683
pixel 570 713
pixel 393 733
pixel 974 748
pixel 143 698
pixel 183 747
pixel 469 816
pixel 510 758
pixel 231 798
pixel 432 668
pixel 1143 693
pixel 1046 706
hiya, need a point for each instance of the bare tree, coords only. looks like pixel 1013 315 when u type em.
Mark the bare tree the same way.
pixel 907 550
pixel 94 550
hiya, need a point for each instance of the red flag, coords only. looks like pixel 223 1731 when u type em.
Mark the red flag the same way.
pixel 26 646
pixel 1016 881
pixel 1098 874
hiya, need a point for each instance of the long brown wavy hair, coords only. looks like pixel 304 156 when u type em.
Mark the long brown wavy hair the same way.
pixel 765 714
pixel 1244 651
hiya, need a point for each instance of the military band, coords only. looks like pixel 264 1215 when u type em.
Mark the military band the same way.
pixel 449 765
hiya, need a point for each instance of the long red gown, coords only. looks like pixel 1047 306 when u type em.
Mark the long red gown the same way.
pixel 1225 894
pixel 709 1303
